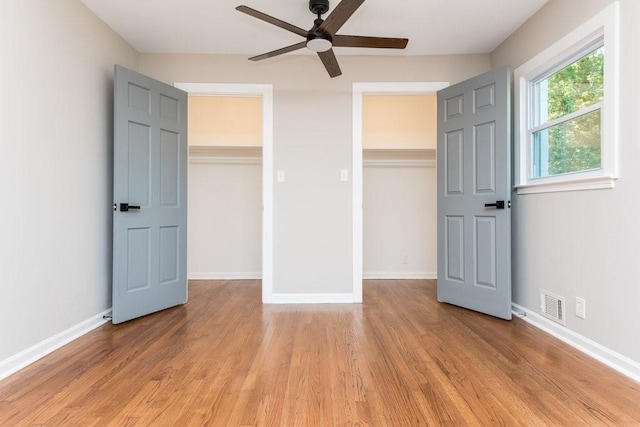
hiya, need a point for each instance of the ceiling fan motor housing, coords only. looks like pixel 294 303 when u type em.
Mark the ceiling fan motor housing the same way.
pixel 319 7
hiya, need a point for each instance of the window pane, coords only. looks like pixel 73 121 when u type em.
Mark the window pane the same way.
pixel 576 86
pixel 571 146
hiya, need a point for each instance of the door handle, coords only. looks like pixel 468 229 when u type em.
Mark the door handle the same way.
pixel 498 205
pixel 126 207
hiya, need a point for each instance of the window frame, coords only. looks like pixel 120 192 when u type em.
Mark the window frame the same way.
pixel 602 29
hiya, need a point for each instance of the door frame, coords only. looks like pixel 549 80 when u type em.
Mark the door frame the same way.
pixel 359 90
pixel 266 92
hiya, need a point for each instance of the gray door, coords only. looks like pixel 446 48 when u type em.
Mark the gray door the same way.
pixel 474 189
pixel 149 195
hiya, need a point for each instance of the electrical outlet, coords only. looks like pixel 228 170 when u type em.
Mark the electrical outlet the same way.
pixel 581 308
pixel 405 259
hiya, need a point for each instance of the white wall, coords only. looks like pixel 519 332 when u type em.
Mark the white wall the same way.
pixel 399 220
pixel 585 243
pixel 225 187
pixel 225 214
pixel 399 186
pixel 399 121
pixel 312 143
pixel 55 167
pixel 225 121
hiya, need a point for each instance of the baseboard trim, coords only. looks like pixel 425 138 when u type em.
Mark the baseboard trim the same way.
pixel 312 299
pixel 399 275
pixel 617 361
pixel 14 363
pixel 226 276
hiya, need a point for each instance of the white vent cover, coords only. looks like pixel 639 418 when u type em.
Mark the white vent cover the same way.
pixel 552 306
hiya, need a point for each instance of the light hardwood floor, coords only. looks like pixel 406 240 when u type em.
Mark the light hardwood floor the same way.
pixel 399 359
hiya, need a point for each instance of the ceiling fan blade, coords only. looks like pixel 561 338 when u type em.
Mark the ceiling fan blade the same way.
pixel 330 62
pixel 279 51
pixel 339 15
pixel 271 20
pixel 373 42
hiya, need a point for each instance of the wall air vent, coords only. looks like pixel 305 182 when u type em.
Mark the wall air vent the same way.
pixel 552 306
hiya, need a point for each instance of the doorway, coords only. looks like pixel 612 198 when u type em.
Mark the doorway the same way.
pixel 247 156
pixel 360 91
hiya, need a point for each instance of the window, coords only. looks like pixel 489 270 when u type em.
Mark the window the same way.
pixel 565 132
pixel 566 101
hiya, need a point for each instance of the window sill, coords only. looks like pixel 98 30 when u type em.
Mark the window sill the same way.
pixel 597 183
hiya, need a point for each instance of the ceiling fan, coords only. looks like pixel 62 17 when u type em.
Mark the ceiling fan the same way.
pixel 322 36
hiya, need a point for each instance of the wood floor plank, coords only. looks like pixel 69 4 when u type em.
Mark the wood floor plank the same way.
pixel 400 358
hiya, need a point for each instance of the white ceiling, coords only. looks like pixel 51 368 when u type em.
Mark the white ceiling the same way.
pixel 433 27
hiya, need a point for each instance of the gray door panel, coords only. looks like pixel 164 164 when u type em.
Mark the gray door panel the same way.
pixel 150 175
pixel 474 240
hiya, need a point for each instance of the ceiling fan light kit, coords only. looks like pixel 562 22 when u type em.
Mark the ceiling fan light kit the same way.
pixel 322 37
pixel 319 44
